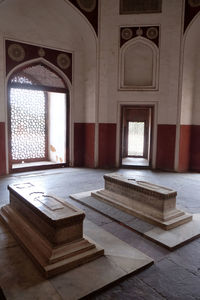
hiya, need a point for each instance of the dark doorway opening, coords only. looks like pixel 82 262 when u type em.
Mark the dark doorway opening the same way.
pixel 136 136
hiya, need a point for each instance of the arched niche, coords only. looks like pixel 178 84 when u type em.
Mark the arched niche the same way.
pixel 139 65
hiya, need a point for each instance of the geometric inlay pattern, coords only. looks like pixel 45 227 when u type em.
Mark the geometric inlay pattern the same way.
pixel 27 124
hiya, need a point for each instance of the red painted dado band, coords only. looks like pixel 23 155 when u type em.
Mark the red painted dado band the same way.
pixel 195 148
pixel 166 140
pixel 2 149
pixel 84 136
pixel 84 144
pixel 107 145
pixel 185 147
pixel 189 147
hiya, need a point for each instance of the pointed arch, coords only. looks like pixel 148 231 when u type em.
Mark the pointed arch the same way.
pixel 38 61
pixel 139 64
pixel 46 103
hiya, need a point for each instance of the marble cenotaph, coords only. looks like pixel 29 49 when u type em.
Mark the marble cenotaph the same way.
pixel 152 203
pixel 49 229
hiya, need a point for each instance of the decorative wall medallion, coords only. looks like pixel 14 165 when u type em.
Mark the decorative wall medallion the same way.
pixel 63 61
pixel 139 31
pixel 152 33
pixel 16 52
pixel 87 5
pixel 194 3
pixel 41 52
pixel 127 33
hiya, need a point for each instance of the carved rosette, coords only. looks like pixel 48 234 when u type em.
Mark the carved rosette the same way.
pixel 139 31
pixel 194 3
pixel 63 61
pixel 127 34
pixel 16 52
pixel 152 33
pixel 41 52
pixel 148 32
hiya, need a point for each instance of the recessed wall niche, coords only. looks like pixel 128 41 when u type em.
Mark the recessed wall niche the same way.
pixel 139 54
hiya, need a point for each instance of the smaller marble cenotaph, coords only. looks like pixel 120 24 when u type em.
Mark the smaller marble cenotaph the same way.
pixel 152 203
pixel 49 229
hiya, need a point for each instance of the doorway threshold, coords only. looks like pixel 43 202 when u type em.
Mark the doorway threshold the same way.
pixel 129 162
pixel 39 165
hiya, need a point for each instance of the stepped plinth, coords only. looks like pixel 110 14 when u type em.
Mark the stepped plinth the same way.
pixel 150 202
pixel 49 229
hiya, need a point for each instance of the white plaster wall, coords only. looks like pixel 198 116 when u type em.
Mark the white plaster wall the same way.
pixel 57 127
pixel 196 104
pixel 54 24
pixel 191 74
pixel 170 28
pixel 2 81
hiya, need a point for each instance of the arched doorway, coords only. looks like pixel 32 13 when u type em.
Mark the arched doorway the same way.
pixel 38 118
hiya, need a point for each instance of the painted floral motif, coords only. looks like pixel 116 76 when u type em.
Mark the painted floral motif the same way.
pixel 41 52
pixel 63 61
pixel 127 33
pixel 87 5
pixel 139 31
pixel 16 52
pixel 194 3
pixel 152 33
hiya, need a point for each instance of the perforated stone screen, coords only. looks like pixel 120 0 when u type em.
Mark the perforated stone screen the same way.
pixel 41 75
pixel 140 6
pixel 27 124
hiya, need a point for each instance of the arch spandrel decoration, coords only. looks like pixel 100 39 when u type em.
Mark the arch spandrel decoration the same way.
pixel 89 8
pixel 19 53
pixel 139 65
pixel 150 33
pixel 192 8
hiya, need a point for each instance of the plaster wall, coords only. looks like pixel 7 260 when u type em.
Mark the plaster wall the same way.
pixel 190 107
pixel 170 31
pixel 53 24
pixel 196 105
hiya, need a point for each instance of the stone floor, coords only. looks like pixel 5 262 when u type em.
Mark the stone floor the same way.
pixel 175 275
pixel 132 161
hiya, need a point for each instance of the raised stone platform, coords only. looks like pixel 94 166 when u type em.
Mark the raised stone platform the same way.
pixel 49 228
pixel 171 239
pixel 21 280
pixel 152 203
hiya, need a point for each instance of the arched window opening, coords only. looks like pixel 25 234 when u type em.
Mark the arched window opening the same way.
pixel 38 118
